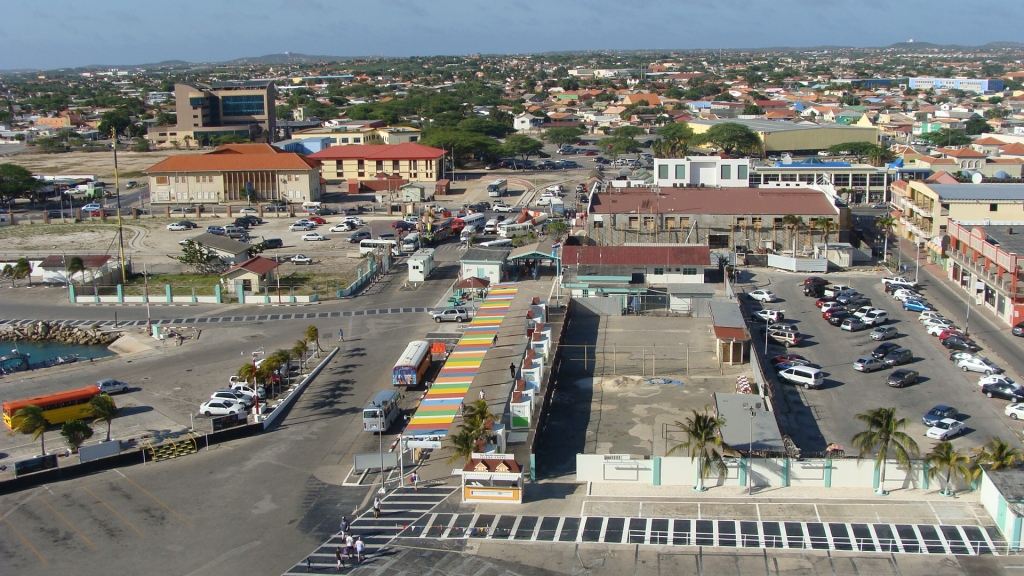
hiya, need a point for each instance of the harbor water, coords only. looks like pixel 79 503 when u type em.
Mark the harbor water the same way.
pixel 42 351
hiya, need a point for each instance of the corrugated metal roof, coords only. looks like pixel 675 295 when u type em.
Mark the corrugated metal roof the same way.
pixel 637 255
pixel 1008 192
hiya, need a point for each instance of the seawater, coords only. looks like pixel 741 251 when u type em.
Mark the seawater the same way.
pixel 39 351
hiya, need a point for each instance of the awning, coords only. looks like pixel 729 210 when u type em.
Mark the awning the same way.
pixel 473 282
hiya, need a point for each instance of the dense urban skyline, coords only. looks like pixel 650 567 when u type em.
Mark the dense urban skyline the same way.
pixel 60 33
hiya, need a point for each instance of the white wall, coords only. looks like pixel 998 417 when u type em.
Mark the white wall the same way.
pixel 706 170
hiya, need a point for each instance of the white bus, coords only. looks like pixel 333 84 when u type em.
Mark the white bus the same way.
pixel 475 219
pixel 312 206
pixel 511 229
pixel 382 411
pixel 494 243
pixel 491 227
pixel 367 246
pixel 411 243
pixel 497 188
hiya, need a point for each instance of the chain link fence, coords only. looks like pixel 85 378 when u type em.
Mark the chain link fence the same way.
pixel 645 361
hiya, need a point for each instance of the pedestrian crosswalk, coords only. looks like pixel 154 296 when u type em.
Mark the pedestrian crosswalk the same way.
pixel 222 319
pixel 400 509
pixel 885 538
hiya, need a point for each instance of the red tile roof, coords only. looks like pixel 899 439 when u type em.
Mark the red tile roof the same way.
pixel 963 153
pixel 405 151
pixel 247 149
pixel 637 255
pixel 767 201
pixel 231 158
pixel 60 261
pixel 1016 149
pixel 989 141
pixel 491 464
pixel 726 333
pixel 257 265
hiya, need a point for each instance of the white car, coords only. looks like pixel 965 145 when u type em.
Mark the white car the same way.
pixel 412 219
pixel 248 210
pixel 860 312
pixel 234 395
pixel 220 407
pixel 343 227
pixel 301 259
pixel 297 227
pixel 355 220
pixel 313 237
pixel 899 281
pixel 905 294
pixel 936 329
pixel 928 323
pixel 111 386
pixel 1014 410
pixel 241 387
pixel 830 306
pixel 177 227
pixel 945 429
pixel 763 296
pixel 929 314
pixel 503 208
pixel 545 199
pixel 996 379
pixel 979 364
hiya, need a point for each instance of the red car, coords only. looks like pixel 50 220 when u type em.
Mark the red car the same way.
pixel 317 220
pixel 583 143
pixel 788 358
pixel 947 333
pixel 590 153
pixel 815 280
pixel 833 312
pixel 822 301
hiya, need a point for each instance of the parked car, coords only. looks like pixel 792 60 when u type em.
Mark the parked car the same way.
pixel 814 290
pixel 1014 410
pixel 945 429
pixel 342 227
pixel 402 225
pixel 995 379
pixel 803 376
pixel 860 312
pixel 902 377
pixel 301 259
pixel 768 316
pixel 837 289
pixel 325 211
pixel 898 357
pixel 899 281
pixel 938 329
pixel 786 338
pixel 884 333
pixel 882 350
pixel 790 358
pixel 235 395
pixel 502 207
pixel 1011 392
pixel 867 364
pixel 823 300
pixel 1018 329
pixel 929 322
pixel 939 412
pixel 816 280
pixel 829 306
pixel 852 325
pixel 837 317
pixel 847 298
pixel 313 237
pixel 763 296
pixel 958 343
pixel 218 230
pixel 955 357
pixel 351 211
pixel 979 364
pixel 951 332
pixel 248 210
pixel 111 386
pixel 270 243
pixel 180 226
pixel 301 227
pixel 915 305
pixel 904 294
pixel 450 315
pixel 359 236
pixel 834 311
pixel 875 317
pixel 357 221
pixel 221 407
pixel 927 315
pixel 387 236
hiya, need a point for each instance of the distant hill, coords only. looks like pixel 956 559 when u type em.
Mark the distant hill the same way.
pixel 286 58
pixel 931 46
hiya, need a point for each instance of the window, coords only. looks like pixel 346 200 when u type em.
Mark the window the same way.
pixel 771 178
pixel 356 140
pixel 670 222
pixel 162 180
pixel 877 180
pixel 680 171
pixel 755 221
pixel 662 171
pixel 718 240
pixel 380 165
pixel 689 271
pixel 344 140
pixel 788 178
pixel 684 222
pixel 659 271
pixel 741 222
pixel 755 179
pixel 806 178
pixel 778 222
pixel 243 105
pixel 414 138
pixel 841 180
pixel 726 172
pixel 196 102
pixel 634 222
pixel 394 166
pixel 993 207
pixel 860 180
pixel 741 171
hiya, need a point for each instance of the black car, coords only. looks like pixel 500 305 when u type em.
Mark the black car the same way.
pixel 272 243
pixel 325 212
pixel 815 280
pixel 838 316
pixel 938 413
pixel 254 220
pixel 814 290
pixel 1018 329
pixel 960 343
pixel 359 236
pixel 854 303
pixel 898 356
pixel 902 377
pixel 1005 390
pixel 243 223
pixel 883 349
pixel 187 224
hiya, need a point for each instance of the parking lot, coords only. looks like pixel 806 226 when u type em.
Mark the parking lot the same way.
pixel 826 415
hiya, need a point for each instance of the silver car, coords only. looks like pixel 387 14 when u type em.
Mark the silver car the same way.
pixel 868 364
pixel 883 333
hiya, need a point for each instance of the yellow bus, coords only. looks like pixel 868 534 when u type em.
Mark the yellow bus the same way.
pixel 57 408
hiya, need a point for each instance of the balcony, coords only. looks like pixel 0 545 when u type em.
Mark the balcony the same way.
pixel 926 212
pixel 989 276
pixel 914 229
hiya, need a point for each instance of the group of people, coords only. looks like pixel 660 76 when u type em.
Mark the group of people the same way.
pixel 354 549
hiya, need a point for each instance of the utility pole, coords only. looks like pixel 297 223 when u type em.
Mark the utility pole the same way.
pixel 120 229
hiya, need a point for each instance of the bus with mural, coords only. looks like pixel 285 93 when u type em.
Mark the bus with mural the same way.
pixel 58 407
pixel 436 231
pixel 412 364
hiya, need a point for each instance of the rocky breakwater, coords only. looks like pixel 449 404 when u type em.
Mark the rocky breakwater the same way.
pixel 53 332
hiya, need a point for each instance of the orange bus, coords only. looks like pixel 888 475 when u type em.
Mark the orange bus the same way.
pixel 57 408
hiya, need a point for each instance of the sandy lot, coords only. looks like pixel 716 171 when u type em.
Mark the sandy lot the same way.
pixel 130 164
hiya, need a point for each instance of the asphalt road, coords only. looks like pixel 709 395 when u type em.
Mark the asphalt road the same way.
pixel 827 415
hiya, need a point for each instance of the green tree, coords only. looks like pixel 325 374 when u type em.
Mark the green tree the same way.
pixel 486 127
pixel 229 139
pixel 946 460
pixel 51 145
pixel 22 269
pixel 198 258
pixel 752 110
pixel 75 265
pixel 826 225
pixel 30 420
pixel 704 444
pixel 794 223
pixel 476 415
pixel 885 434
pixel 16 181
pixel 104 410
pixel 564 135
pixel 998 454
pixel 628 131
pixel 858 150
pixel 247 372
pixel 676 139
pixel 618 146
pixel 520 146
pixel 879 155
pixel 886 224
pixel 299 351
pixel 75 433
pixel 117 119
pixel 557 230
pixel 946 137
pixel 140 145
pixel 978 126
pixel 462 445
pixel 313 336
pixel 730 138
pixel 460 143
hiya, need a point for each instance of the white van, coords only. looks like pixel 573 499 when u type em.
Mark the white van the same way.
pixel 491 227
pixel 803 376
pixel 467 232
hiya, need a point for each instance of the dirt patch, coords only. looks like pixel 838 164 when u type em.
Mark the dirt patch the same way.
pixel 129 164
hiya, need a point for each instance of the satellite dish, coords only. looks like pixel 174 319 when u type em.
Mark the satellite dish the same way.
pixel 977 178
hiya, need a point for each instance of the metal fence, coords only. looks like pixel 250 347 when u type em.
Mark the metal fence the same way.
pixel 644 361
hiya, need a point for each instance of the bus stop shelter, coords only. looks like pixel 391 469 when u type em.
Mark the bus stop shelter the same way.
pixel 531 255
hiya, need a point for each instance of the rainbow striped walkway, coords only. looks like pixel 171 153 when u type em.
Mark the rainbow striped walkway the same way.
pixel 441 404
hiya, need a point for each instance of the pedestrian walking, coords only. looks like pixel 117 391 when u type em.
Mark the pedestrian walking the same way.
pixel 337 554
pixel 415 479
pixel 309 563
pixel 344 526
pixel 341 334
pixel 483 395
pixel 512 370
pixel 360 549
pixel 376 507
pixel 350 547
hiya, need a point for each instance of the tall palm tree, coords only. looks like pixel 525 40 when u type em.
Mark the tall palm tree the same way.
pixel 794 223
pixel 997 454
pixel 30 420
pixel 476 415
pixel 704 443
pixel 879 155
pixel 299 351
pixel 945 459
pixel 885 434
pixel 22 269
pixel 247 372
pixel 886 224
pixel 313 335
pixel 462 445
pixel 75 265
pixel 826 225
pixel 104 410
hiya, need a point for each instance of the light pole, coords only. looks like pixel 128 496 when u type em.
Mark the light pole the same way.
pixel 917 270
pixel 750 447
pixel 64 262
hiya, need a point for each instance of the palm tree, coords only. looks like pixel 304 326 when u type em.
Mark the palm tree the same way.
pixel 794 223
pixel 188 141
pixel 22 269
pixel 313 335
pixel 998 454
pixel 884 433
pixel 476 416
pixel 944 458
pixel 299 351
pixel 247 372
pixel 704 443
pixel 827 226
pixel 75 433
pixel 75 265
pixel 104 410
pixel 462 445
pixel 879 155
pixel 886 224
pixel 30 420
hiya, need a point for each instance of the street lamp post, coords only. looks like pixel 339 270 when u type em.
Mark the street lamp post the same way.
pixel 750 447
pixel 917 270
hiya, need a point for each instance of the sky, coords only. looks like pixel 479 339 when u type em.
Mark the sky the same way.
pixel 49 34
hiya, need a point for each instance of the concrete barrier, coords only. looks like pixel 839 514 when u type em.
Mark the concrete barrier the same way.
pixel 269 419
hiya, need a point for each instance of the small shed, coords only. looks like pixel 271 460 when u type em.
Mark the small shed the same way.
pixel 421 264
pixel 487 263
pixel 732 340
pixel 416 192
pixel 98 269
pixel 228 250
pixel 492 478
pixel 255 274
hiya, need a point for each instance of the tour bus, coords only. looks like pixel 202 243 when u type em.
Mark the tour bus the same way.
pixel 312 206
pixel 412 364
pixel 58 407
pixel 476 219
pixel 511 229
pixel 497 188
pixel 467 232
pixel 367 246
pixel 496 243
pixel 411 243
pixel 491 227
pixel 382 411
